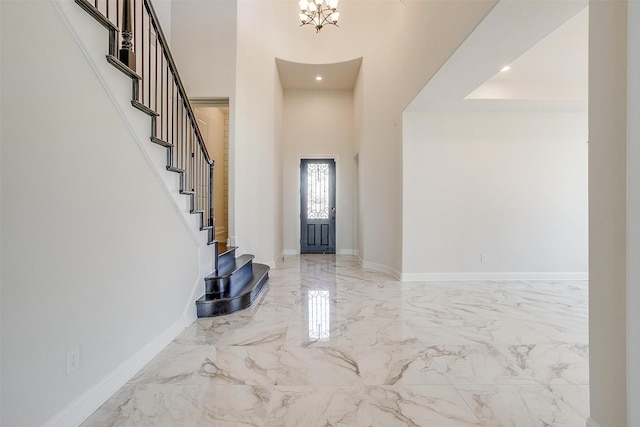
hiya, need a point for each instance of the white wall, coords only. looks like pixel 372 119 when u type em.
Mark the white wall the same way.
pixel 512 186
pixel 318 124
pixel 608 212
pixel 256 148
pixel 95 254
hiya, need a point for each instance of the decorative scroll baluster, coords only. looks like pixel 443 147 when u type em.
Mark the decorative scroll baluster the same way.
pixel 127 55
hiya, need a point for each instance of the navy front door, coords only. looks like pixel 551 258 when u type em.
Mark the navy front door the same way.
pixel 318 206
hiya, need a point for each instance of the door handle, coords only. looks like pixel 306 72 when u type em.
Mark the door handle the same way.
pixel 333 213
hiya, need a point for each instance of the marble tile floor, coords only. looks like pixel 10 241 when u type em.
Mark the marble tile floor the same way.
pixel 331 344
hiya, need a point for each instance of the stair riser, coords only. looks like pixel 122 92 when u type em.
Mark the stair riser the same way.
pixel 218 308
pixel 224 285
pixel 226 260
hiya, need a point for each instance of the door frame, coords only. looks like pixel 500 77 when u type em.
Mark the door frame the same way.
pixel 335 158
pixel 224 102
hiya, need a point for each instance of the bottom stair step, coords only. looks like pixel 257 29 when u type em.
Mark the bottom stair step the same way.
pixel 211 305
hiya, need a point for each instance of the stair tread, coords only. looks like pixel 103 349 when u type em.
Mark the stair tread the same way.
pixel 161 142
pixel 259 272
pixel 238 263
pixel 225 249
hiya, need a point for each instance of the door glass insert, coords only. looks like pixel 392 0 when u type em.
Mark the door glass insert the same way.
pixel 319 315
pixel 317 191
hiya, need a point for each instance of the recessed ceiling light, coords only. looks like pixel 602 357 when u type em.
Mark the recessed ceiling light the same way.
pixel 505 69
pixel 318 78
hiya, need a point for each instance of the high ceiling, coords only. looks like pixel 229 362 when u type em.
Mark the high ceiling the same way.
pixel 544 42
pixel 554 68
pixel 339 76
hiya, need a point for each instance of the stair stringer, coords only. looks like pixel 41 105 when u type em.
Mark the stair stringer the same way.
pixel 92 39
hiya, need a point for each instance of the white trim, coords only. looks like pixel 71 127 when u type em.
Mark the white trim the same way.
pixel 209 102
pixel 270 263
pixel 82 407
pixel 591 423
pixel 456 277
pixel 345 252
pixel 381 267
pixel 291 252
pixel 190 313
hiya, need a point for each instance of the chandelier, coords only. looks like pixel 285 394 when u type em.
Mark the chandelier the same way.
pixel 319 13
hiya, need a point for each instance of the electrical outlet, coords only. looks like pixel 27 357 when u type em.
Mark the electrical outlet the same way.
pixel 483 257
pixel 73 360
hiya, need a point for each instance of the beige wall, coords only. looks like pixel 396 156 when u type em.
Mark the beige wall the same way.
pixel 607 212
pixel 633 217
pixel 512 186
pixel 203 44
pixel 318 124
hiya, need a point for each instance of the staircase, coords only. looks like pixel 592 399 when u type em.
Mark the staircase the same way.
pixel 235 284
pixel 157 91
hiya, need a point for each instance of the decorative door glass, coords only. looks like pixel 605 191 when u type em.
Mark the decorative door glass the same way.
pixel 319 315
pixel 317 191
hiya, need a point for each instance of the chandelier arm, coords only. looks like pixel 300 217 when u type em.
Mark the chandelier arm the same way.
pixel 319 17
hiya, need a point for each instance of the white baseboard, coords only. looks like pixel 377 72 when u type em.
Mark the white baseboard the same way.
pixel 190 313
pixel 462 277
pixel 346 252
pixel 81 408
pixel 291 252
pixel 591 423
pixel 381 267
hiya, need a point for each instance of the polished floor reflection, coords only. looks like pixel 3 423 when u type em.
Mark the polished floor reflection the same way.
pixel 330 344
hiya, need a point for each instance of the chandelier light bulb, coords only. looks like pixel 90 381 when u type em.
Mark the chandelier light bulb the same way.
pixel 318 13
